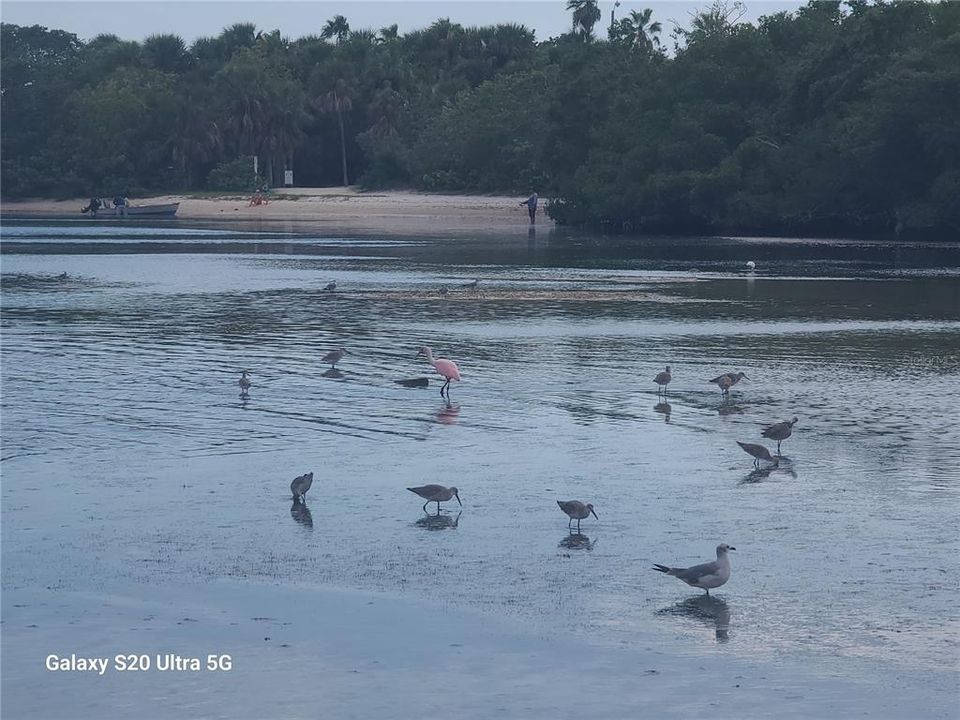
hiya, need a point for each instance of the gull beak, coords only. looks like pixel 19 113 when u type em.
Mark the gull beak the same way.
pixel 458 500
pixel 594 514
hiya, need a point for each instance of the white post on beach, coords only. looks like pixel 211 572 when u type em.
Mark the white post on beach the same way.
pixel 255 167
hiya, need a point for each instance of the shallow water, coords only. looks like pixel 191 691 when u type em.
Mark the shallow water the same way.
pixel 128 457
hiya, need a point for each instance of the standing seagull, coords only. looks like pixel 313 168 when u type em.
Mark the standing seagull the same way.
pixel 334 356
pixel 437 494
pixel 244 384
pixel 759 453
pixel 300 485
pixel 662 380
pixel 331 286
pixel 779 431
pixel 727 381
pixel 576 510
pixel 446 368
pixel 705 576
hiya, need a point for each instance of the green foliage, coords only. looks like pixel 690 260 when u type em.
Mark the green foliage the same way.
pixel 839 118
pixel 235 175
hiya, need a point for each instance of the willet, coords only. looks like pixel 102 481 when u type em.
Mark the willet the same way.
pixel 759 453
pixel 300 485
pixel 244 384
pixel 331 286
pixel 662 380
pixel 728 380
pixel 334 356
pixel 437 494
pixel 779 431
pixel 447 368
pixel 576 510
pixel 706 576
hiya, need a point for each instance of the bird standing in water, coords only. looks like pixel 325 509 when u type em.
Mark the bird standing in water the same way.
pixel 727 381
pixel 759 452
pixel 447 368
pixel 437 494
pixel 334 356
pixel 706 576
pixel 331 286
pixel 662 380
pixel 779 431
pixel 300 485
pixel 576 510
pixel 244 384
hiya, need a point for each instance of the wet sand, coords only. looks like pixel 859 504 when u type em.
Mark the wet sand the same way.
pixel 295 651
pixel 395 211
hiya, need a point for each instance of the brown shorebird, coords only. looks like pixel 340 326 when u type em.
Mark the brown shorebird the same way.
pixel 779 431
pixel 759 453
pixel 300 485
pixel 662 380
pixel 334 356
pixel 727 381
pixel 437 494
pixel 331 286
pixel 576 510
pixel 244 384
pixel 706 576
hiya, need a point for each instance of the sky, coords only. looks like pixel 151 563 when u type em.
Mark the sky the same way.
pixel 135 20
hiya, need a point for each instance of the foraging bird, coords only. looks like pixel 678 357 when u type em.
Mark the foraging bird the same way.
pixel 706 576
pixel 437 494
pixel 576 510
pixel 446 368
pixel 471 285
pixel 779 431
pixel 244 384
pixel 334 356
pixel 662 380
pixel 727 381
pixel 331 286
pixel 751 265
pixel 759 453
pixel 300 485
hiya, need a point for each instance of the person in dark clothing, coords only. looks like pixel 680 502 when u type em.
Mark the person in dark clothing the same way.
pixel 93 206
pixel 531 203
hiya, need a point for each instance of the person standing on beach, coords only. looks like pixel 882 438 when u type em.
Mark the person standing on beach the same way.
pixel 531 203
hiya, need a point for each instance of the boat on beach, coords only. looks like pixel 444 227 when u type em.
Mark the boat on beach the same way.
pixel 164 210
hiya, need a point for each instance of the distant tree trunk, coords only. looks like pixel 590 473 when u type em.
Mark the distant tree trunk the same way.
pixel 343 148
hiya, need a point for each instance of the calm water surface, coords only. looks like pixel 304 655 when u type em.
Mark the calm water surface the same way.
pixel 128 456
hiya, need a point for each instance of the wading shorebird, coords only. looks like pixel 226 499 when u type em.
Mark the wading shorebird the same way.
pixel 300 485
pixel 447 368
pixel 662 380
pixel 759 453
pixel 331 286
pixel 576 510
pixel 779 431
pixel 727 381
pixel 437 494
pixel 334 356
pixel 244 384
pixel 706 576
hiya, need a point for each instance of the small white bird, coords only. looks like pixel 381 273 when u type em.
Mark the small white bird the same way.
pixel 751 265
pixel 705 576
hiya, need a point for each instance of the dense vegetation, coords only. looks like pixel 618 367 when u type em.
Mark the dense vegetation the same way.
pixel 839 118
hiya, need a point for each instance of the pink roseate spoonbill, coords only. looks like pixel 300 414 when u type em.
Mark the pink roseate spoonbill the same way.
pixel 437 494
pixel 300 485
pixel 334 356
pixel 446 368
pixel 576 510
pixel 245 384
pixel 727 381
pixel 779 431
pixel 759 452
pixel 662 380
pixel 706 576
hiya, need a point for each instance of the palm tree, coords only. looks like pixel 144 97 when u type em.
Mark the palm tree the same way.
pixel 644 32
pixel 337 27
pixel 389 33
pixel 585 16
pixel 166 52
pixel 338 99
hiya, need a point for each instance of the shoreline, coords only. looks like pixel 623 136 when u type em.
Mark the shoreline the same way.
pixel 369 655
pixel 391 211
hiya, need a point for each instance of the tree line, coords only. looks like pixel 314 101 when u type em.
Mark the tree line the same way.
pixel 839 118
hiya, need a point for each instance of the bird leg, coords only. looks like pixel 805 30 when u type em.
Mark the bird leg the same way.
pixel 438 508
pixel 778 447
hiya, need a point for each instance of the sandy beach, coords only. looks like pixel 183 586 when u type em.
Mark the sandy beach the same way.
pixel 390 212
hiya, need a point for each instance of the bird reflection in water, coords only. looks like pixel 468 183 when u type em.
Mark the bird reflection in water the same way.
pixel 577 541
pixel 761 474
pixel 708 609
pixel 726 409
pixel 301 514
pixel 665 409
pixel 447 415
pixel 439 522
pixel 333 374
